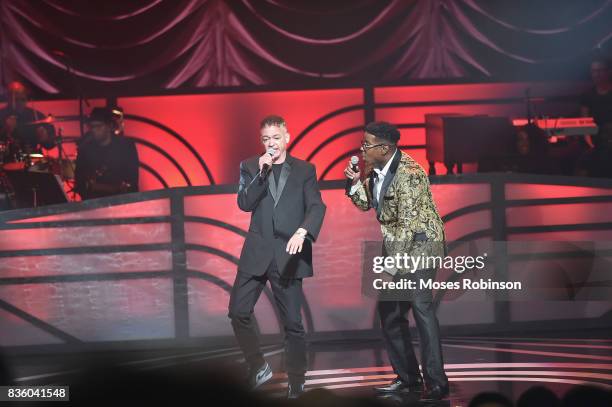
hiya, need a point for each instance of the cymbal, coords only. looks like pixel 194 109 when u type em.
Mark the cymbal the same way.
pixel 47 120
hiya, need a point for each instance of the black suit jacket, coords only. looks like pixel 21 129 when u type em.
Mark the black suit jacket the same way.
pixel 277 212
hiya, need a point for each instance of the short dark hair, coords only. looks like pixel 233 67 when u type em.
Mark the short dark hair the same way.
pixel 384 130
pixel 490 397
pixel 101 114
pixel 273 120
pixel 538 396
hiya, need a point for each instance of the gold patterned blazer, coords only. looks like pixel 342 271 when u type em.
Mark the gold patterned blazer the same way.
pixel 407 209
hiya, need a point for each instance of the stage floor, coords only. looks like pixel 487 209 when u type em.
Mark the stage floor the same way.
pixel 473 365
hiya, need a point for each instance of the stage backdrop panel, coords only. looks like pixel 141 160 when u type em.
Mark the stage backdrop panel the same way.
pixel 217 131
pixel 407 106
pixel 200 139
pixel 160 265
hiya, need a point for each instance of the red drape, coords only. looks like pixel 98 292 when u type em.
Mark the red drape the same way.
pixel 151 45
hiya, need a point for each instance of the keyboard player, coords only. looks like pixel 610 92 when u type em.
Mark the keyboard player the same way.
pixel 597 102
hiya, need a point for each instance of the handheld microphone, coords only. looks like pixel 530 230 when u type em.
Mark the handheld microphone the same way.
pixel 355 167
pixel 265 168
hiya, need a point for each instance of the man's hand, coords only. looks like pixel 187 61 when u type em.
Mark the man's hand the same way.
pixel 124 187
pixel 350 174
pixel 265 159
pixel 296 242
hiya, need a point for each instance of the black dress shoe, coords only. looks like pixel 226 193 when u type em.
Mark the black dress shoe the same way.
pixel 295 390
pixel 399 386
pixel 436 393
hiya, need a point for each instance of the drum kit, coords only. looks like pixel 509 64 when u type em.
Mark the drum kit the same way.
pixel 37 162
pixel 17 161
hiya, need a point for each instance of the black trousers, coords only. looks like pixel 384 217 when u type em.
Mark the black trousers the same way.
pixel 288 298
pixel 398 341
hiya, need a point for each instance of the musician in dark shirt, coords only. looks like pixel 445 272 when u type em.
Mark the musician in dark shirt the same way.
pixel 597 102
pixel 106 164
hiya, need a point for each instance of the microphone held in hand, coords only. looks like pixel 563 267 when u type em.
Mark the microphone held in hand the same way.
pixel 355 168
pixel 265 168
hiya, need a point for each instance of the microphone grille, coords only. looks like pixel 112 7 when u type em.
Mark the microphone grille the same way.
pixel 270 151
pixel 354 160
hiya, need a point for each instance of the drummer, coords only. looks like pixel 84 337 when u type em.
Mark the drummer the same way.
pixel 16 119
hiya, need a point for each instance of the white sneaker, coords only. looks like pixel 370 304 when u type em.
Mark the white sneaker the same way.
pixel 263 375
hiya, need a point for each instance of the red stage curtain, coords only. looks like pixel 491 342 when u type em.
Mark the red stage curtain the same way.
pixel 150 45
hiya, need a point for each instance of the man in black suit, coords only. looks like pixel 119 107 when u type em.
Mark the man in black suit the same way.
pixel 282 194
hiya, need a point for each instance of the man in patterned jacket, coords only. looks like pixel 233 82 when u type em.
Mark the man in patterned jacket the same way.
pixel 398 190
